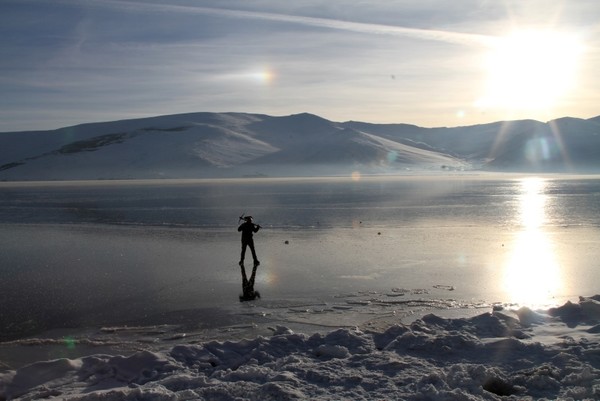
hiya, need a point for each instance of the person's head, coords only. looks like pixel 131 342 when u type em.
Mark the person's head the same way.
pixel 248 219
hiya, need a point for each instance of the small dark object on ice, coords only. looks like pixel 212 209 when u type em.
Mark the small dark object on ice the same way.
pixel 286 242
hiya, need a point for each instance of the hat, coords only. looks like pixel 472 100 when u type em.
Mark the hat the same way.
pixel 248 218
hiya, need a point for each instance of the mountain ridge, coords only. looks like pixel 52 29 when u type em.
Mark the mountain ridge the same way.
pixel 205 144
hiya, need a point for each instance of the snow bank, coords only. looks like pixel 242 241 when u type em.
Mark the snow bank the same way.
pixel 486 357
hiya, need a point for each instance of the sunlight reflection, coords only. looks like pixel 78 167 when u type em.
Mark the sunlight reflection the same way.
pixel 532 210
pixel 532 275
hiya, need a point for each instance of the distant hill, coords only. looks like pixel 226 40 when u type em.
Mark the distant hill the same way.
pixel 238 144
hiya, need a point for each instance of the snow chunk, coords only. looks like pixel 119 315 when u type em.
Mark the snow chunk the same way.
pixel 331 351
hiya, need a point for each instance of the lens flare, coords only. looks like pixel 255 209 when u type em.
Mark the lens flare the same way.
pixel 69 342
pixel 392 156
pixel 267 274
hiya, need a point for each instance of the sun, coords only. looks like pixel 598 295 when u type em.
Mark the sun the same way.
pixel 530 70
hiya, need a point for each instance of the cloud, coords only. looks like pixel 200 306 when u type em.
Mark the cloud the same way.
pixel 336 24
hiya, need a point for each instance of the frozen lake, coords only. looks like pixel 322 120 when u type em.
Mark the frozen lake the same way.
pixel 86 255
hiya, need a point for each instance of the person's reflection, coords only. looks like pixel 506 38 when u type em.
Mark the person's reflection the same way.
pixel 248 293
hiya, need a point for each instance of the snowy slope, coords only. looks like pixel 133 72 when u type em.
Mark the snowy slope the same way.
pixel 203 145
pixel 566 144
pixel 237 144
pixel 563 145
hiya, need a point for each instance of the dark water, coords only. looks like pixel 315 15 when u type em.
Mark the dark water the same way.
pixel 91 254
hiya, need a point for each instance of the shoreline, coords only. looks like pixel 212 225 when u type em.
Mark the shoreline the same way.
pixel 467 175
pixel 250 320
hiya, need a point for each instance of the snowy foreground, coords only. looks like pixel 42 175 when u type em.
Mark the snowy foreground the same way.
pixel 554 354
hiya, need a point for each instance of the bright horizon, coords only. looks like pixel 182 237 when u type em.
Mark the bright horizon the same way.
pixel 430 64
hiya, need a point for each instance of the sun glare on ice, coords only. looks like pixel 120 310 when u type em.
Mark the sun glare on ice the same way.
pixel 530 70
pixel 532 275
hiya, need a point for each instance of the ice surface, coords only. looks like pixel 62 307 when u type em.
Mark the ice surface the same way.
pixel 372 289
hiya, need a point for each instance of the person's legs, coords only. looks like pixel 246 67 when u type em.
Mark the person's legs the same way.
pixel 243 256
pixel 251 245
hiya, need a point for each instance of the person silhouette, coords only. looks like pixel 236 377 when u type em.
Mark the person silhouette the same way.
pixel 248 228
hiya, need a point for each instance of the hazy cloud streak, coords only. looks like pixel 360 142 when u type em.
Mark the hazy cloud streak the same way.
pixel 359 27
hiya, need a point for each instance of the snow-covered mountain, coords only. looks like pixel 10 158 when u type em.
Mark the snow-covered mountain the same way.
pixel 238 144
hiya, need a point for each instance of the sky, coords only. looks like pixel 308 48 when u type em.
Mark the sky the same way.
pixel 430 62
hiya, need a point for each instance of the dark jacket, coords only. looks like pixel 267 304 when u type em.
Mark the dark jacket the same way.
pixel 247 230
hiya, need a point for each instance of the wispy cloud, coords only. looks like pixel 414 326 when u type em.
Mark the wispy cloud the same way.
pixel 425 34
pixel 336 24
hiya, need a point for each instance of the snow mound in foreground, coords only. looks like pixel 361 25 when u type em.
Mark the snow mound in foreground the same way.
pixel 531 355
